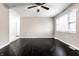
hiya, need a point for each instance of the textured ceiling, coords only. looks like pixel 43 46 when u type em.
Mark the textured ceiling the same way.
pixel 21 8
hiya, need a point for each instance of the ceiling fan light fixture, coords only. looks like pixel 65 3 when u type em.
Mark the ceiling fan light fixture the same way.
pixel 38 7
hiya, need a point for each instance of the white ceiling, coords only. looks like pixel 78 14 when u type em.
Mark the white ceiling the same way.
pixel 21 8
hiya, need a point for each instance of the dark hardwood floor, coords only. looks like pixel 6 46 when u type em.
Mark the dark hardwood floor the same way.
pixel 38 47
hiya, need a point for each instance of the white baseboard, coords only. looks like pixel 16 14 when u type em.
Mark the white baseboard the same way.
pixel 4 45
pixel 70 45
pixel 36 36
pixel 7 43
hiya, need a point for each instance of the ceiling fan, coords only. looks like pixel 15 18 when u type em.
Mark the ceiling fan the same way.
pixel 39 5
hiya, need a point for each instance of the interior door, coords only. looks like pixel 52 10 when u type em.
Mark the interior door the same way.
pixel 14 25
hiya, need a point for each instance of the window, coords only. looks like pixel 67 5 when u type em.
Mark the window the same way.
pixel 67 22
pixel 72 21
pixel 62 23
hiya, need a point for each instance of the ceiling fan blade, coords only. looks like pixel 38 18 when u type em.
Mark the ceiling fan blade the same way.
pixel 40 3
pixel 31 7
pixel 43 3
pixel 45 7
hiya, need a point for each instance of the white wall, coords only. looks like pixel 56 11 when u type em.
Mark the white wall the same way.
pixel 14 25
pixel 36 27
pixel 70 38
pixel 4 25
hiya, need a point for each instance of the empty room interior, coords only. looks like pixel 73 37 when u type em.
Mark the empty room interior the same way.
pixel 39 29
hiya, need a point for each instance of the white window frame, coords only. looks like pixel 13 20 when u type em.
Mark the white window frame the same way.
pixel 69 23
pixel 72 22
